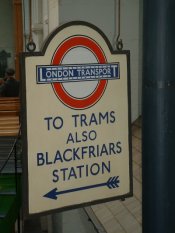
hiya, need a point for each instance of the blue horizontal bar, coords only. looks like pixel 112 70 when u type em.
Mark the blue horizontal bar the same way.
pixel 74 73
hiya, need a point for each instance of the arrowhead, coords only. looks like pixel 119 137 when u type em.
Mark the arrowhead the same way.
pixel 52 194
pixel 113 182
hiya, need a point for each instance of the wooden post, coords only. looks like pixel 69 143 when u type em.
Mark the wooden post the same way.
pixel 18 28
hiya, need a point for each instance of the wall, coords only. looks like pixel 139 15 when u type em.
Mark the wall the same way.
pixel 7 33
pixel 103 14
pixel 131 27
pixel 98 12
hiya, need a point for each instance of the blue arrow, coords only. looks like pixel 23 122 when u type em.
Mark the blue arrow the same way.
pixel 113 182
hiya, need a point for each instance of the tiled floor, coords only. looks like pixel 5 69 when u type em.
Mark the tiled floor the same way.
pixel 125 216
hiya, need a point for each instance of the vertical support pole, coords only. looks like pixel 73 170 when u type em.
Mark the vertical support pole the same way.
pixel 16 184
pixel 159 116
pixel 18 29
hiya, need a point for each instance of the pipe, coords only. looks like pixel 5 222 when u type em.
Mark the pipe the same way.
pixel 158 135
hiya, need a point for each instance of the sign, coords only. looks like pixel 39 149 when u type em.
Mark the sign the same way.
pixel 76 121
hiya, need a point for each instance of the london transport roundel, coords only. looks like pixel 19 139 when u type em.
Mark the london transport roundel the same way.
pixel 80 47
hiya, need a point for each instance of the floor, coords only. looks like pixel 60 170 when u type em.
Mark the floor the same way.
pixel 71 221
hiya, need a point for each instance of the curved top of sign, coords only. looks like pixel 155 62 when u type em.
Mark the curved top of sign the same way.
pixel 75 24
pixel 78 64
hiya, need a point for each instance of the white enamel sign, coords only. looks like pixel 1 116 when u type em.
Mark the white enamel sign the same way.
pixel 76 122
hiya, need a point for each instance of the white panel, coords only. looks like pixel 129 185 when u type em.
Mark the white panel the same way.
pixel 53 14
pixel 45 19
pixel 37 28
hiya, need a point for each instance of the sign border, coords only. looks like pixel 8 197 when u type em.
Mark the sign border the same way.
pixel 25 181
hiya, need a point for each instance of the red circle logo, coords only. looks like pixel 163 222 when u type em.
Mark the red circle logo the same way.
pixel 64 95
